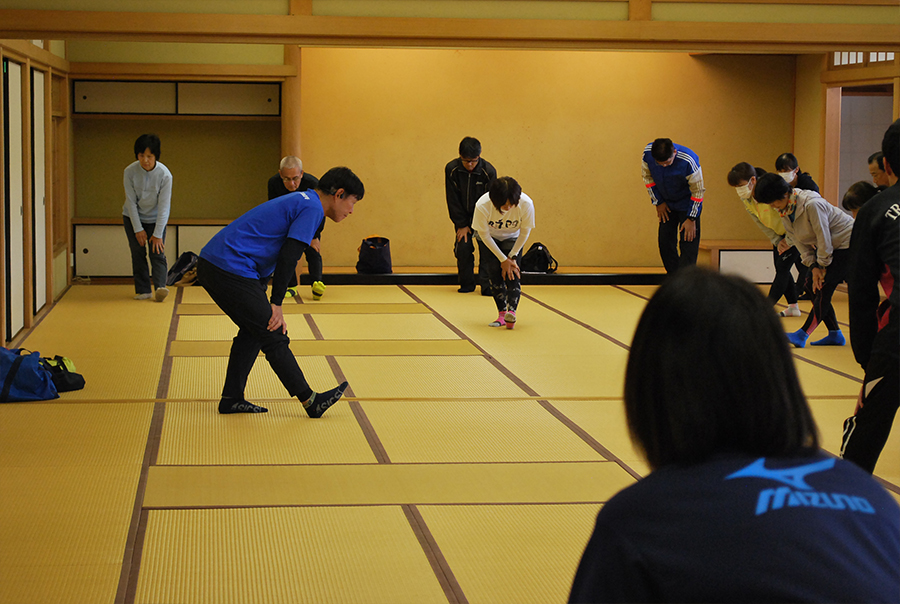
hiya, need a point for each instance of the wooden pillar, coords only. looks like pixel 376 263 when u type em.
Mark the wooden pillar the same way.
pixel 62 206
pixel 290 89
pixel 897 97
pixel 48 184
pixel 290 105
pixel 4 337
pixel 301 7
pixel 832 147
pixel 639 10
pixel 27 202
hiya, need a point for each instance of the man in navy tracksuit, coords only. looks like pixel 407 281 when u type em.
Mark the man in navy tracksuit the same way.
pixel 875 326
pixel 674 180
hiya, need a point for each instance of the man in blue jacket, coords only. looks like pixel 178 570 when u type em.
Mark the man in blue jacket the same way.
pixel 674 181
pixel 234 268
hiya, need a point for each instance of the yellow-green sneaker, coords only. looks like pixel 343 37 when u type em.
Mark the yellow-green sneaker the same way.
pixel 291 292
pixel 318 290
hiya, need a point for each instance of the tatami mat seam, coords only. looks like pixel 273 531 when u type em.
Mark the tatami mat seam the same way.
pixel 448 504
pixel 364 464
pixel 317 333
pixel 130 593
pixel 582 324
pixel 628 291
pixel 590 440
pixel 888 485
pixel 358 413
pixel 826 368
pixel 440 566
pixel 131 563
pixel 369 432
pixel 514 378
pixel 795 355
pixel 543 401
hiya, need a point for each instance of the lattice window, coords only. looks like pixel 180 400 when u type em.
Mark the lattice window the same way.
pixel 881 57
pixel 861 59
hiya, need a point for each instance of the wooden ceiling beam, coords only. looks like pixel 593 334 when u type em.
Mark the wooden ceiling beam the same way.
pixel 446 33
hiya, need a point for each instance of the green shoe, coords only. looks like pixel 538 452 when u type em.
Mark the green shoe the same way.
pixel 318 290
pixel 291 292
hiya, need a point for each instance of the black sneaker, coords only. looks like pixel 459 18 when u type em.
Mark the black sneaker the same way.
pixel 322 401
pixel 465 289
pixel 227 405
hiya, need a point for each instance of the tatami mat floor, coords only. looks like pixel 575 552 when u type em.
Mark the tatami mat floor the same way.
pixel 466 464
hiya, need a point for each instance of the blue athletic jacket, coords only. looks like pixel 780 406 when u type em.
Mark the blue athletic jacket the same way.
pixel 680 185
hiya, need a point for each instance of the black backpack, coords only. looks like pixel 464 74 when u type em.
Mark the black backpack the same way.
pixel 538 260
pixel 185 262
pixel 374 256
pixel 62 373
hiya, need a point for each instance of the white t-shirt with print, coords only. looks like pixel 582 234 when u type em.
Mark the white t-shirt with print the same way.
pixel 503 225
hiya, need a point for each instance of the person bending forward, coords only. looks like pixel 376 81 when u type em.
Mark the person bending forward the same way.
pixel 234 266
pixel 504 217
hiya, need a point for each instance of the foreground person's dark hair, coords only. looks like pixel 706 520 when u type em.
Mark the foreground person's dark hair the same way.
pixel 710 371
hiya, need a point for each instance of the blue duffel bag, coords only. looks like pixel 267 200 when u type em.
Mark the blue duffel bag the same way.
pixel 23 378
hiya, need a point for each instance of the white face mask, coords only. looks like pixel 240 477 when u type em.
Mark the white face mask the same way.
pixel 744 191
pixel 787 176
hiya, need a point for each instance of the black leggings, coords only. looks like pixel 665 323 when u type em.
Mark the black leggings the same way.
pixel 784 284
pixel 506 291
pixel 822 310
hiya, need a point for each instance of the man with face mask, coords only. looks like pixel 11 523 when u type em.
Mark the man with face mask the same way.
pixel 821 233
pixel 743 178
pixel 788 168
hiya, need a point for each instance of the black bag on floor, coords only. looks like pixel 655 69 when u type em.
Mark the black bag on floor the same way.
pixel 374 256
pixel 538 260
pixel 62 372
pixel 185 263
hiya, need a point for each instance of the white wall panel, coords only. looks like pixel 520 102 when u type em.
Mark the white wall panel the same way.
pixel 39 223
pixel 124 97
pixel 755 266
pixel 195 98
pixel 102 250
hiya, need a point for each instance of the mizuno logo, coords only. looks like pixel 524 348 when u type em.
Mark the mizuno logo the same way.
pixel 793 477
pixel 802 494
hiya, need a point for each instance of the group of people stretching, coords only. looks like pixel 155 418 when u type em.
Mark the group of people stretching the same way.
pixel 741 504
